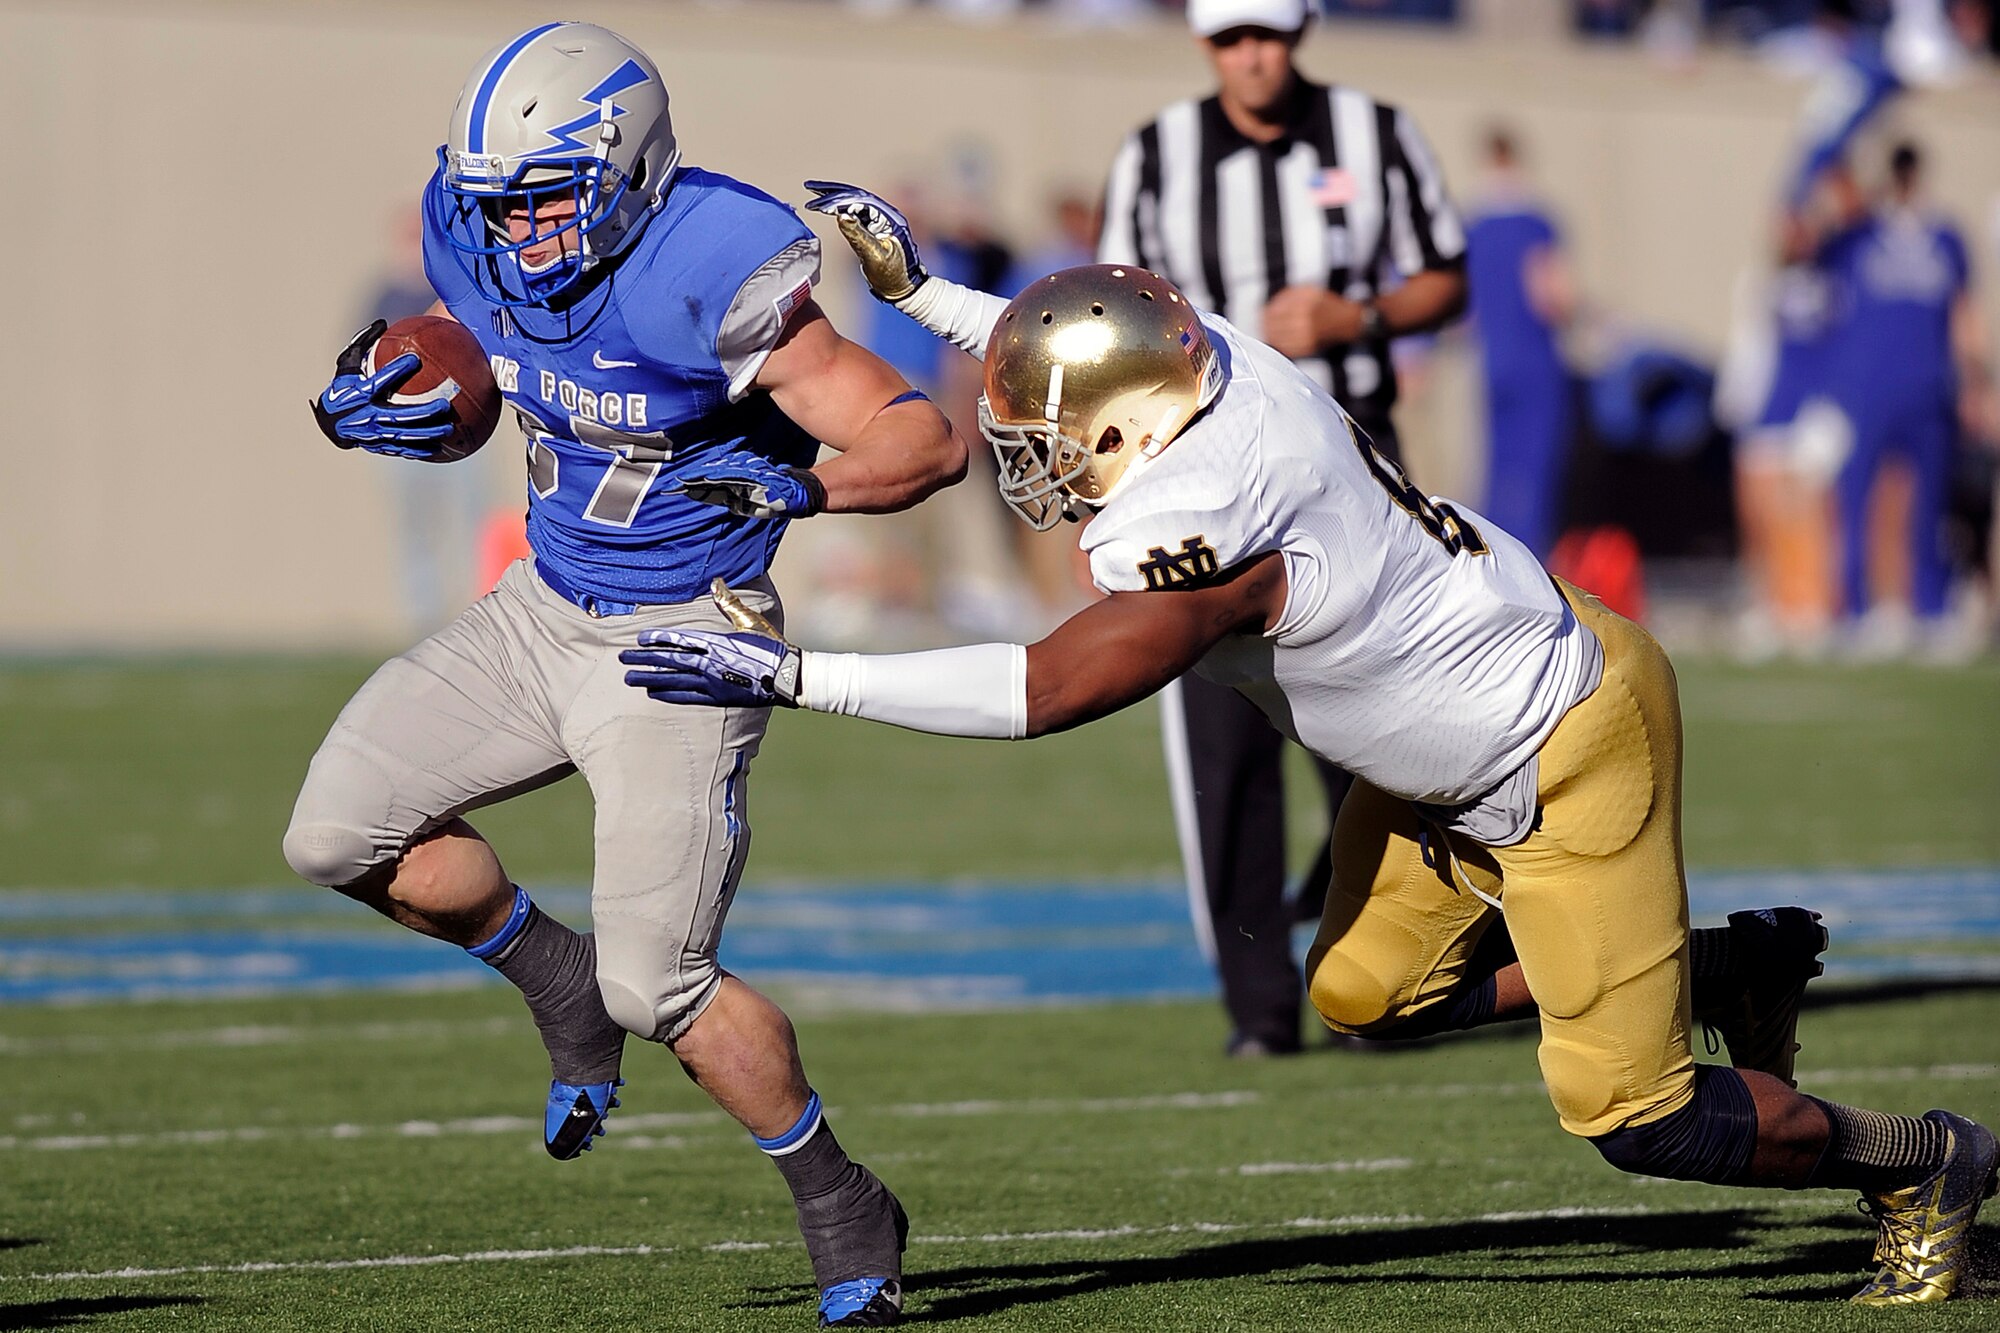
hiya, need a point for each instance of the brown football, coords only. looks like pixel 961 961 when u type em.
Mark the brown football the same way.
pixel 452 366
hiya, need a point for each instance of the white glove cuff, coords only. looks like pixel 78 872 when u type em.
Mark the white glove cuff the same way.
pixel 977 691
pixel 961 316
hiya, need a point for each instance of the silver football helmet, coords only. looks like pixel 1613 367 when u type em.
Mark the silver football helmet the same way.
pixel 565 111
pixel 1088 371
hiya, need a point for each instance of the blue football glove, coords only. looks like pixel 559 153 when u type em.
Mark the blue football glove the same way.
pixel 878 234
pixel 354 413
pixel 754 486
pixel 751 668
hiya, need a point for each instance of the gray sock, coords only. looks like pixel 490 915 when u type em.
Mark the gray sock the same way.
pixel 853 1226
pixel 556 971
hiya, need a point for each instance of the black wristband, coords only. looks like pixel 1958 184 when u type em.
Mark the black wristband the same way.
pixel 815 492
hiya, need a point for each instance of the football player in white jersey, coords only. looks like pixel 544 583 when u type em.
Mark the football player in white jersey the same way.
pixel 1517 744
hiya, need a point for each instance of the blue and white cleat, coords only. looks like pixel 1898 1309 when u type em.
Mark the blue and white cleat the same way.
pixel 576 1116
pixel 865 1302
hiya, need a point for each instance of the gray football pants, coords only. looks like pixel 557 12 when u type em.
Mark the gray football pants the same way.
pixel 525 688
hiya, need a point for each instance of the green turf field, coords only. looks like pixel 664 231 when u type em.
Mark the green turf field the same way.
pixel 1097 1168
pixel 181 774
pixel 370 1162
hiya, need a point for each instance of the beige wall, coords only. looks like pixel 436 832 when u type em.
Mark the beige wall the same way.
pixel 199 191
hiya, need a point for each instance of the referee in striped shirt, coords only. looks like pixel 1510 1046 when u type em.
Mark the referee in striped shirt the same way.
pixel 1286 206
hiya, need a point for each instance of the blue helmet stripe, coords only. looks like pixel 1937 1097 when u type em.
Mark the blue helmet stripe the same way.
pixel 475 127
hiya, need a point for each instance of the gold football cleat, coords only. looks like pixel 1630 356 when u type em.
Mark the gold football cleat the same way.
pixel 1925 1242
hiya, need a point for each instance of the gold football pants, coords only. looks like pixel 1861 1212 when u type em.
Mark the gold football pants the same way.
pixel 1595 900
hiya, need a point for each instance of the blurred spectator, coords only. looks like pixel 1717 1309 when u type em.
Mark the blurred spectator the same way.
pixel 1791 437
pixel 1790 440
pixel 1187 198
pixel 1903 270
pixel 438 509
pixel 957 553
pixel 1522 296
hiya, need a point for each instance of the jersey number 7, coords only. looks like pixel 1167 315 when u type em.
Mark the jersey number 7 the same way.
pixel 635 461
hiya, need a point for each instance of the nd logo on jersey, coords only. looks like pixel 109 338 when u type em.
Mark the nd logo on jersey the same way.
pixel 1191 564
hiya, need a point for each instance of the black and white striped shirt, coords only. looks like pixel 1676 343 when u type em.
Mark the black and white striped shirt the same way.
pixel 1349 194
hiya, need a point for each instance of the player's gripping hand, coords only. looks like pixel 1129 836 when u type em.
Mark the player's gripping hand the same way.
pixel 878 234
pixel 755 487
pixel 751 668
pixel 354 413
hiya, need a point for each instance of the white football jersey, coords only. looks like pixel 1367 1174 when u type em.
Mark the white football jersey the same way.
pixel 1421 648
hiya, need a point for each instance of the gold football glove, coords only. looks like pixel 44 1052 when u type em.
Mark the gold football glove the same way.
pixel 878 234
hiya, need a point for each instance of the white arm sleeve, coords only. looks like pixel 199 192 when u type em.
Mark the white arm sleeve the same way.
pixel 961 316
pixel 978 691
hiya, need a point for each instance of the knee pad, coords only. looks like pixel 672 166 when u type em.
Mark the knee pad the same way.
pixel 658 1007
pixel 331 841
pixel 1349 997
pixel 1711 1139
pixel 328 855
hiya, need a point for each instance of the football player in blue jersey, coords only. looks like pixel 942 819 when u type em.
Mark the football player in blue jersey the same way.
pixel 653 327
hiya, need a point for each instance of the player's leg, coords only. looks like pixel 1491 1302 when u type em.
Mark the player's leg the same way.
pixel 1596 906
pixel 439 731
pixel 1225 769
pixel 1398 951
pixel 673 830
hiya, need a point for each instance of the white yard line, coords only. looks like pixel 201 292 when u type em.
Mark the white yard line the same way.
pixel 1345 1222
pixel 638 1126
pixel 241 1035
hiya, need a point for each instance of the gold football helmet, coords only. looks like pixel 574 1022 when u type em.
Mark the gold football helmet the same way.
pixel 1087 371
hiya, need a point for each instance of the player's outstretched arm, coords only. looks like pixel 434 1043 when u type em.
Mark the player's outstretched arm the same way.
pixel 894 447
pixel 1111 654
pixel 883 242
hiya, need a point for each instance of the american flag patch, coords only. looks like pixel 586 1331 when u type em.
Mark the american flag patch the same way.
pixel 789 303
pixel 1187 339
pixel 1332 188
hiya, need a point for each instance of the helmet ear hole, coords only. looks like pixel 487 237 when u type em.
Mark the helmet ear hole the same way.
pixel 639 175
pixel 1110 442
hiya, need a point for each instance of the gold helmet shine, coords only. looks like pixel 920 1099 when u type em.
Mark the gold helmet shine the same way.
pixel 1089 370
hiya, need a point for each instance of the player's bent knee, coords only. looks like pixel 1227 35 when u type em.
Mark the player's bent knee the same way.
pixel 1349 997
pixel 656 1013
pixel 1711 1139
pixel 329 855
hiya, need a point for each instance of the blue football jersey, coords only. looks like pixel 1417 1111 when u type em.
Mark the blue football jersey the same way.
pixel 1899 275
pixel 645 376
pixel 1513 335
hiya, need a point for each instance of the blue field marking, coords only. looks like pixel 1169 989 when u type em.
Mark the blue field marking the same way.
pixel 889 946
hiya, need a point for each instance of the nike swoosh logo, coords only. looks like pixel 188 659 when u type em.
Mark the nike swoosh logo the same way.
pixel 597 359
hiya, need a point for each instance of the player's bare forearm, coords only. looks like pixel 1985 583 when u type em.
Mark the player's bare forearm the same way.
pixel 892 453
pixel 907 452
pixel 1429 300
pixel 1118 651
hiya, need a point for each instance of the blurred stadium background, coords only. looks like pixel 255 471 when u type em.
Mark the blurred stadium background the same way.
pixel 205 198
